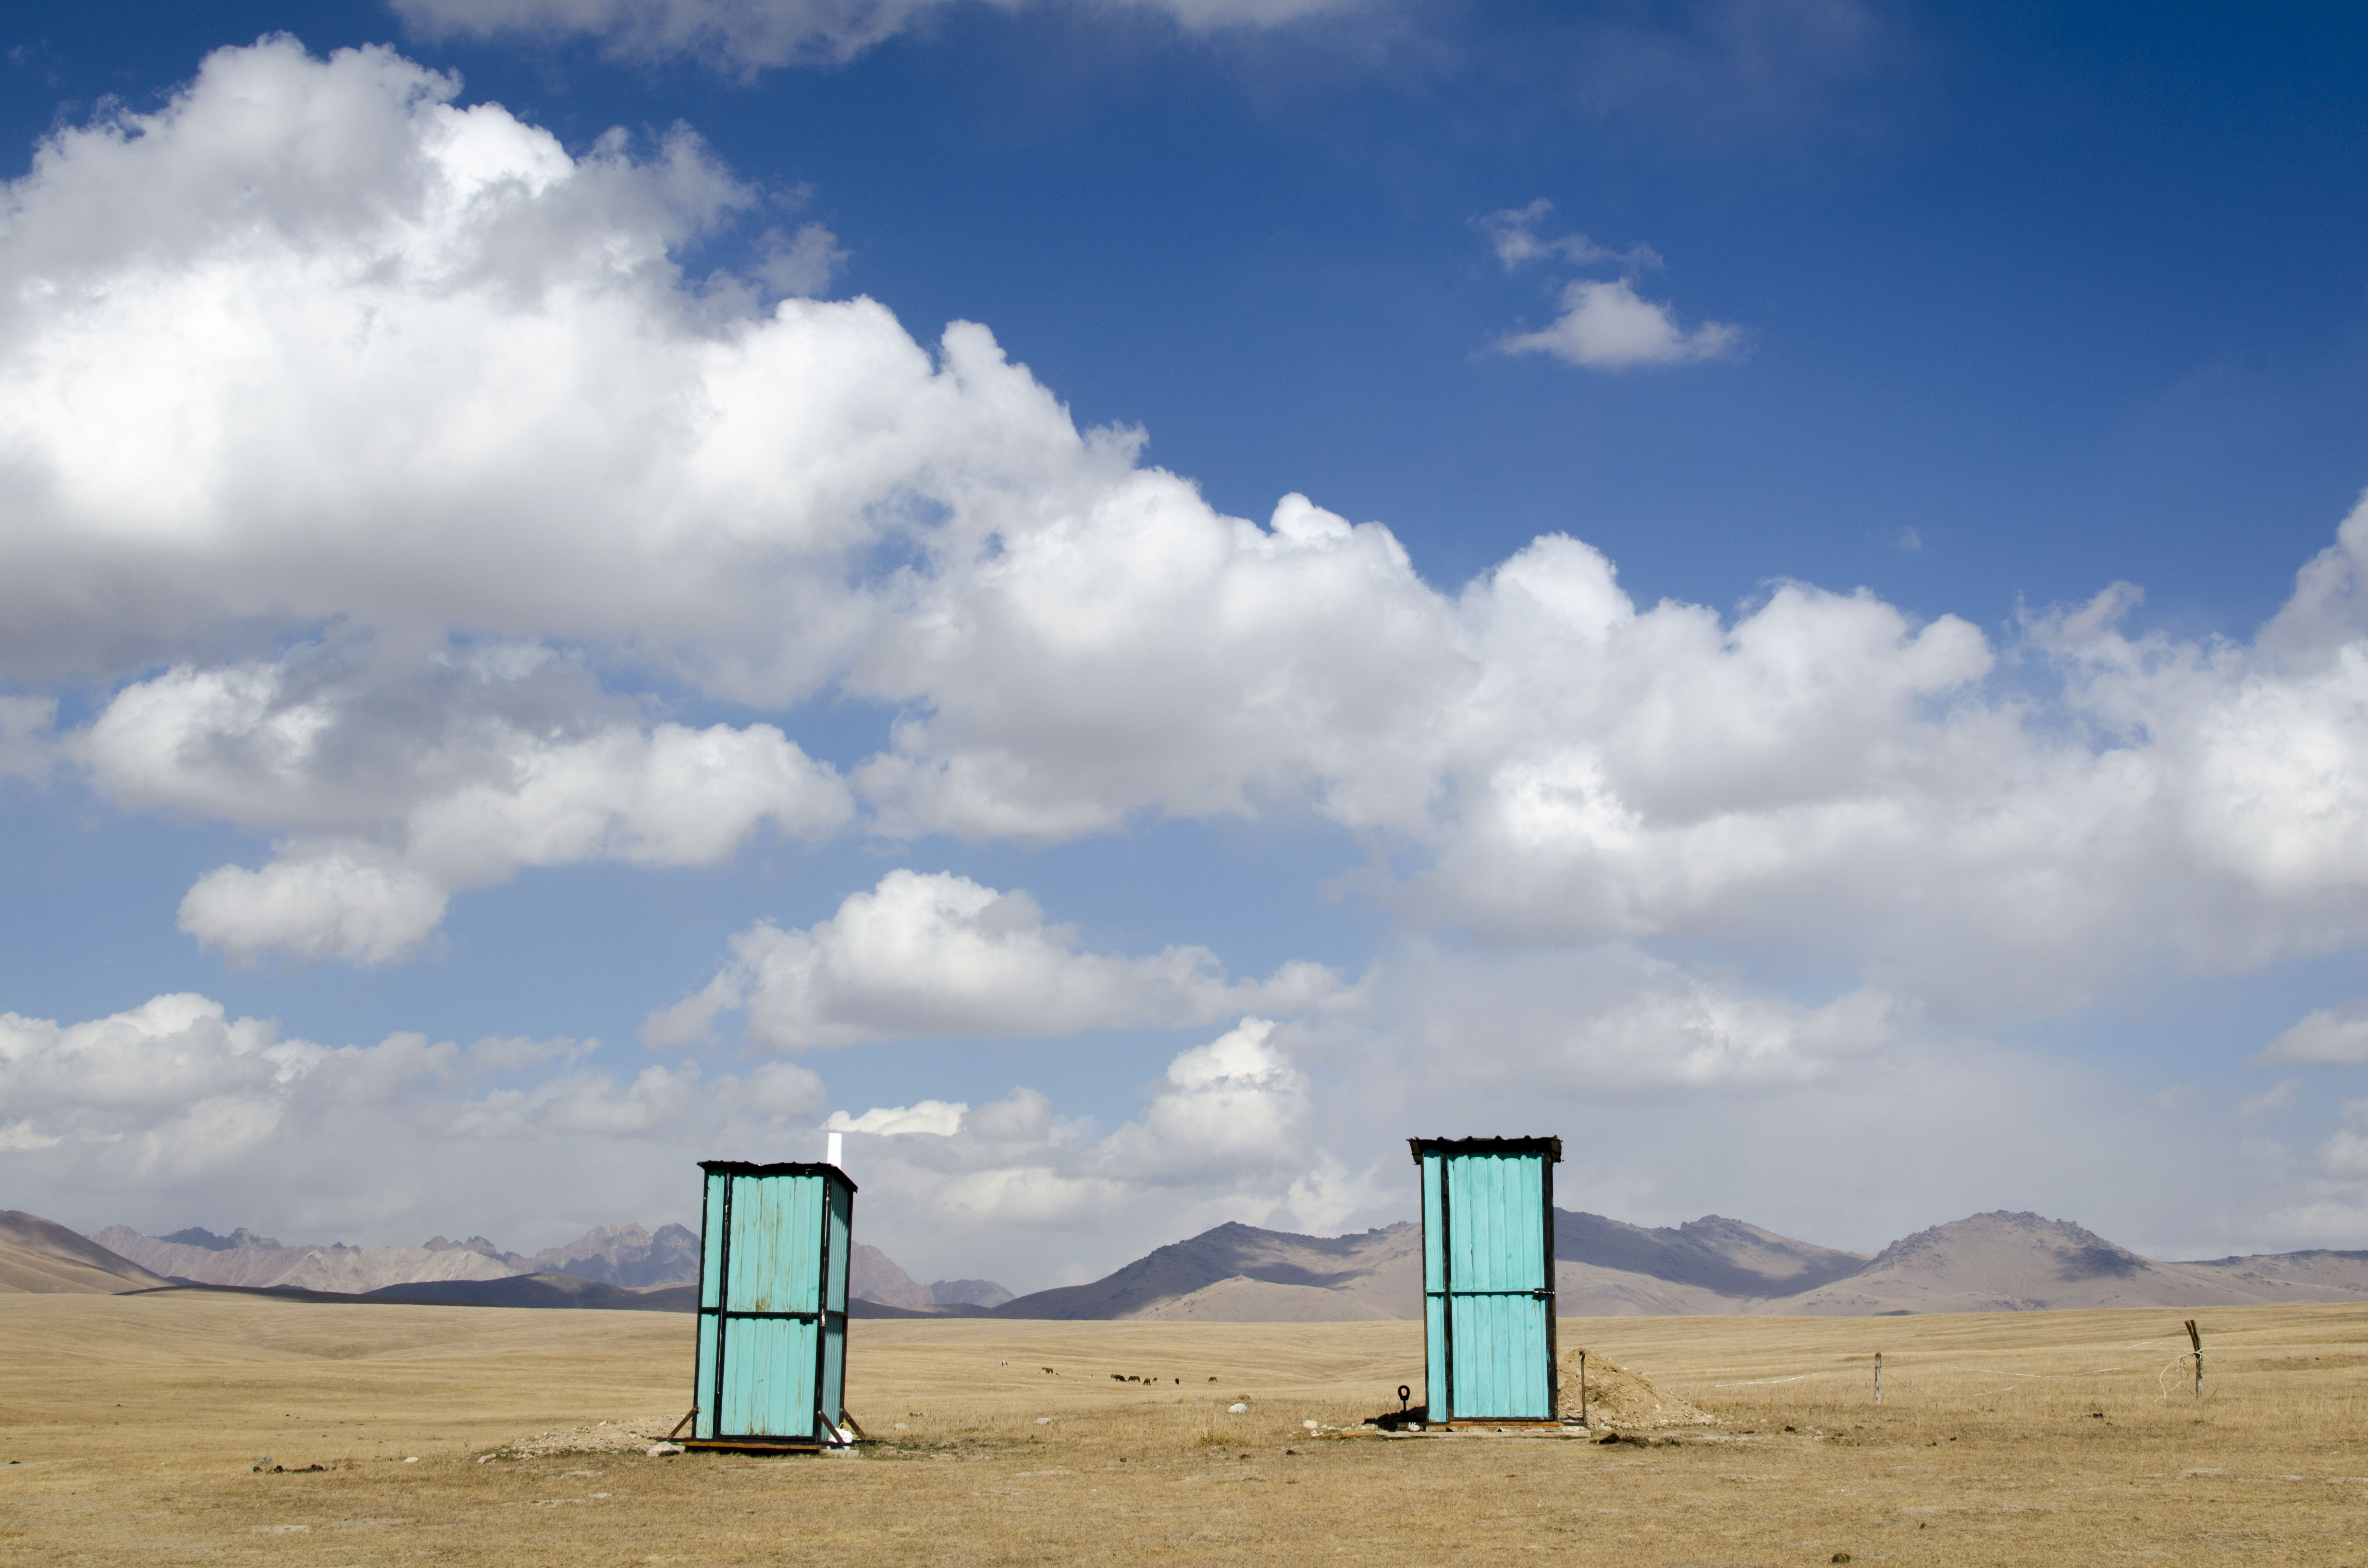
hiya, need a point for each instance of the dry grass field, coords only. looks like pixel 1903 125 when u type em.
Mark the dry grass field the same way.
pixel 130 1426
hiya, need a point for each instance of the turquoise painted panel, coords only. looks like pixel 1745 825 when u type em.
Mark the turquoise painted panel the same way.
pixel 769 1370
pixel 1502 1368
pixel 1433 1229
pixel 1434 1355
pixel 711 1245
pixel 1434 1304
pixel 838 1255
pixel 1497 1222
pixel 773 1289
pixel 776 1265
pixel 703 1390
pixel 1488 1333
pixel 833 1370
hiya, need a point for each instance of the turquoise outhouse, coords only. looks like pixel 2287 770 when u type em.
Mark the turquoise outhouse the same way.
pixel 773 1251
pixel 1488 1278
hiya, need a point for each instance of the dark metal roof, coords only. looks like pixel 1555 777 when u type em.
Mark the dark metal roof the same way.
pixel 794 1168
pixel 1550 1147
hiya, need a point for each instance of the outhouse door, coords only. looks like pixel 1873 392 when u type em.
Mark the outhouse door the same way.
pixel 1489 1295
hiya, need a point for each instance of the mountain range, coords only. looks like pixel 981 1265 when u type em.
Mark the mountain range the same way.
pixel 1604 1267
pixel 626 1256
pixel 873 1277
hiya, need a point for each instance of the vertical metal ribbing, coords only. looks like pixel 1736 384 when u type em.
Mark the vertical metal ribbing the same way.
pixel 1497 1170
pixel 1446 1286
pixel 722 1302
pixel 1553 1361
pixel 844 1303
pixel 698 1316
pixel 821 1314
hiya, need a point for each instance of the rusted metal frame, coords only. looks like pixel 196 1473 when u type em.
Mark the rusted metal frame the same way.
pixel 821 1309
pixel 722 1298
pixel 698 1317
pixel 1550 1147
pixel 1554 1363
pixel 1447 1282
pixel 722 1244
pixel 824 1332
pixel 783 1167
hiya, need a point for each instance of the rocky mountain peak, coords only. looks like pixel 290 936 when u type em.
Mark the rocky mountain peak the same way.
pixel 199 1236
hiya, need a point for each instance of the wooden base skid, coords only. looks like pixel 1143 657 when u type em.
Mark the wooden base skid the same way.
pixel 760 1445
pixel 1527 1425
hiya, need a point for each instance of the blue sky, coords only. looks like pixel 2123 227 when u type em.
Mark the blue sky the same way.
pixel 488 586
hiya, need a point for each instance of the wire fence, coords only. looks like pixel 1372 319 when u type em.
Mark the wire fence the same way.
pixel 2162 1373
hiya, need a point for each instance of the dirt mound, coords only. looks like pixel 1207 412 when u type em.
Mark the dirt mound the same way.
pixel 43 1257
pixel 605 1437
pixel 1619 1398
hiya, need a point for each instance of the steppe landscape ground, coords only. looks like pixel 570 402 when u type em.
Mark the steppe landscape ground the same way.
pixel 130 1426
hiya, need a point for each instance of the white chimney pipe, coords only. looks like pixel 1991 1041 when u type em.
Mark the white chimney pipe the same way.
pixel 837 1144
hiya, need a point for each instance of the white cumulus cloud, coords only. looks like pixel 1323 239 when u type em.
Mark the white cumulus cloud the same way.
pixel 312 346
pixel 941 1118
pixel 1604 325
pixel 405 785
pixel 1231 1132
pixel 745 35
pixel 326 902
pixel 2338 1034
pixel 173 1112
pixel 27 737
pixel 1611 1020
pixel 933 954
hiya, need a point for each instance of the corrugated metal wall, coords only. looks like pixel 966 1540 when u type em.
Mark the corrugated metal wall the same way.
pixel 772 1320
pixel 1488 1281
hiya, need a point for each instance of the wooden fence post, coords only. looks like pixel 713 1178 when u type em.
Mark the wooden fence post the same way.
pixel 1878 1377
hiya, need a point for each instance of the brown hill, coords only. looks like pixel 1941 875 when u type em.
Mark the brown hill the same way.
pixel 544 1291
pixel 532 1290
pixel 1725 1257
pixel 1603 1268
pixel 2008 1262
pixel 874 1275
pixel 39 1256
pixel 1587 1290
pixel 1997 1262
pixel 626 1256
pixel 1234 1271
pixel 2288 1275
pixel 874 1279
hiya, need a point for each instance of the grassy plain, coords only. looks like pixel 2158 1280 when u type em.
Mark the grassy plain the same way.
pixel 135 1421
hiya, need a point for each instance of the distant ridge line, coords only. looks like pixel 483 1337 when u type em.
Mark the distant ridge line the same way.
pixel 1998 1261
